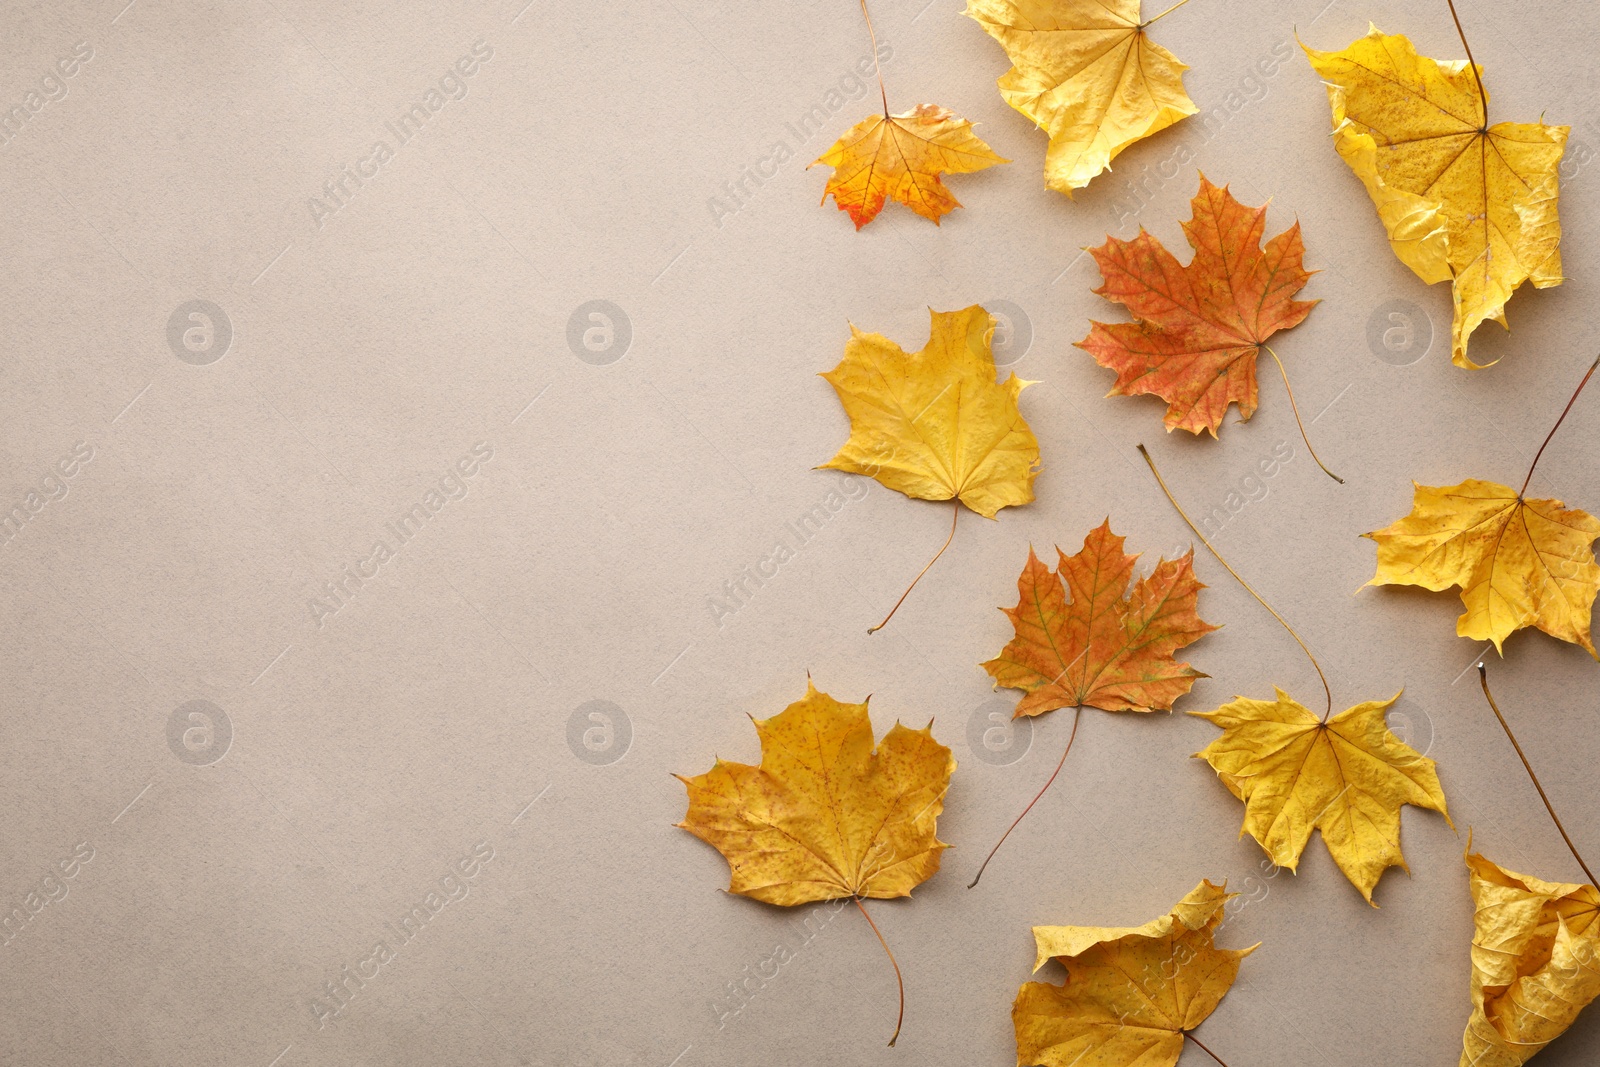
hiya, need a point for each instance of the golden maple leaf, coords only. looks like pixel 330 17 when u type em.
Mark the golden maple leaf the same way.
pixel 1130 993
pixel 825 816
pixel 1086 74
pixel 1535 962
pixel 1101 648
pixel 936 425
pixel 901 157
pixel 1459 199
pixel 1518 562
pixel 1347 777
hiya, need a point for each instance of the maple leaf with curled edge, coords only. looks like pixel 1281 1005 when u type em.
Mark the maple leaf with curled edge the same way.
pixel 1085 72
pixel 1200 328
pixel 900 157
pixel 1535 962
pixel 1347 777
pixel 1461 200
pixel 1083 637
pixel 1518 562
pixel 1131 993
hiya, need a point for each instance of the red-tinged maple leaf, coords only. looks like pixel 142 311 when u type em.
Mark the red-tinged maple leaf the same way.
pixel 1082 638
pixel 1199 328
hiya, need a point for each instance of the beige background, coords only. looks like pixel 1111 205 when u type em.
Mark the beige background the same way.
pixel 378 340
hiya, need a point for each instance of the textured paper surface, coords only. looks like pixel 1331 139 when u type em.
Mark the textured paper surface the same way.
pixel 564 501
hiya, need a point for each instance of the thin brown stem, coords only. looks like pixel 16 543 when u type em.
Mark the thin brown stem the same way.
pixel 1203 1048
pixel 956 514
pixel 1483 96
pixel 1173 500
pixel 1574 399
pixel 1164 14
pixel 1077 714
pixel 1296 409
pixel 1483 677
pixel 898 980
pixel 882 92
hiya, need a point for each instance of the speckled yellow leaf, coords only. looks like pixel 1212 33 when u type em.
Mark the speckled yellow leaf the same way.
pixel 1347 777
pixel 1535 963
pixel 825 816
pixel 1458 200
pixel 935 424
pixel 1518 562
pixel 1130 992
pixel 1085 72
pixel 901 157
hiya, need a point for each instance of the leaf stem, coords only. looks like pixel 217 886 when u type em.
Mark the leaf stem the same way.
pixel 898 979
pixel 1076 715
pixel 1483 96
pixel 1483 677
pixel 1589 374
pixel 882 92
pixel 1203 1048
pixel 1329 692
pixel 1296 408
pixel 1164 14
pixel 956 514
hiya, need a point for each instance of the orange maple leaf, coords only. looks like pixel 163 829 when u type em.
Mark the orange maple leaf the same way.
pixel 1101 648
pixel 900 157
pixel 1199 328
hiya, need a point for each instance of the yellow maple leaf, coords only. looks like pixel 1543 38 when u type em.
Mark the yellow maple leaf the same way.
pixel 1085 72
pixel 936 424
pixel 901 157
pixel 1535 962
pixel 1347 777
pixel 1459 199
pixel 1518 562
pixel 1130 992
pixel 825 816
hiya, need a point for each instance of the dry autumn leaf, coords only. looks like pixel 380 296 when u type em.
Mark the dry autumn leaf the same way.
pixel 1083 637
pixel 935 424
pixel 1131 994
pixel 1086 74
pixel 1535 962
pixel 1518 562
pixel 825 816
pixel 900 157
pixel 1461 200
pixel 1347 777
pixel 1199 329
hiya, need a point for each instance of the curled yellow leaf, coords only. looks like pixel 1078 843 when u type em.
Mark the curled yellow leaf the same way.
pixel 1460 199
pixel 1535 962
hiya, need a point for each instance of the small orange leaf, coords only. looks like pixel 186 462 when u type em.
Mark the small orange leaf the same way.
pixel 1199 328
pixel 902 156
pixel 1101 647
